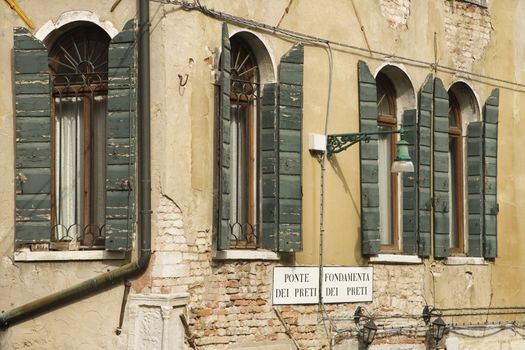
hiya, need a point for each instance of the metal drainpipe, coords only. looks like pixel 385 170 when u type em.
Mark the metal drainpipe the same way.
pixel 52 301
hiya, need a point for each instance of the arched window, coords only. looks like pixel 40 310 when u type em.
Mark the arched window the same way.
pixel 259 146
pixel 463 110
pixel 78 63
pixel 388 181
pixel 456 175
pixel 244 137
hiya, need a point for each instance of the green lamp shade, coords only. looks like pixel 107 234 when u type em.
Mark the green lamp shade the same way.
pixel 402 163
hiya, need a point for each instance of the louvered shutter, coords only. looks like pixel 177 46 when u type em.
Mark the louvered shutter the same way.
pixel 289 162
pixel 33 139
pixel 475 187
pixel 410 185
pixel 368 153
pixel 423 165
pixel 224 142
pixel 441 171
pixel 490 154
pixel 120 136
pixel 269 157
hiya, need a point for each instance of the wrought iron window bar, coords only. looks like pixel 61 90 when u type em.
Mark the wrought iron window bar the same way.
pixel 90 236
pixel 244 235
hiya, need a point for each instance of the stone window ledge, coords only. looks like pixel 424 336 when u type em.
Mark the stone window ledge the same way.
pixel 465 260
pixel 234 254
pixel 70 255
pixel 172 300
pixel 395 259
pixel 481 3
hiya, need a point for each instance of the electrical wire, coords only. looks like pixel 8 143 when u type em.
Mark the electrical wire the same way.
pixel 481 308
pixel 311 39
pixel 322 200
pixel 483 313
pixel 328 45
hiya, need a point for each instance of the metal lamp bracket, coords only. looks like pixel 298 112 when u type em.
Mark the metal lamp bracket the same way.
pixel 337 143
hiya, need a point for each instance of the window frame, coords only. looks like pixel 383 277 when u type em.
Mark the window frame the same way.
pixel 389 121
pixel 77 74
pixel 280 139
pixel 456 177
pixel 249 99
pixel 33 96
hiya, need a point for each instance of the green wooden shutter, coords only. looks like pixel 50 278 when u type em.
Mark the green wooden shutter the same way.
pixel 33 139
pixel 368 153
pixel 289 162
pixel 441 171
pixel 269 159
pixel 410 185
pixel 224 143
pixel 423 167
pixel 475 187
pixel 490 154
pixel 120 136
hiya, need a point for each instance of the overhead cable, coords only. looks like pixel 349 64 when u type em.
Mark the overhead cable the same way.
pixel 314 40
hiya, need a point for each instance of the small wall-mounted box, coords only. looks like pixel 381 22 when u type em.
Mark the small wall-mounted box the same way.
pixel 317 142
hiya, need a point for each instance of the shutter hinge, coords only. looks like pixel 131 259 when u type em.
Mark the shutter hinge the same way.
pixel 22 178
pixel 126 184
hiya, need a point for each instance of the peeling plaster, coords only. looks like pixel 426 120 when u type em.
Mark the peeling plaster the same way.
pixel 144 280
pixel 467 32
pixel 396 12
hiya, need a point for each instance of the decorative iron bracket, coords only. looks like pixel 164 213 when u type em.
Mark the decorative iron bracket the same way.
pixel 336 143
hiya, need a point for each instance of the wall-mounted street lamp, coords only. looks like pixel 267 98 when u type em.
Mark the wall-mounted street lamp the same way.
pixel 369 329
pixel 339 142
pixel 369 332
pixel 438 326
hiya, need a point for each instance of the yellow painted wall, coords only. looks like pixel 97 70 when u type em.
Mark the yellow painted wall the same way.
pixel 183 132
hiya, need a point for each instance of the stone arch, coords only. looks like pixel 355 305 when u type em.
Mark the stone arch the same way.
pixel 262 53
pixel 468 103
pixel 405 93
pixel 52 29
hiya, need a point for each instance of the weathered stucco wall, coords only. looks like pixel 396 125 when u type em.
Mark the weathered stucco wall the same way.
pixel 230 301
pixel 82 325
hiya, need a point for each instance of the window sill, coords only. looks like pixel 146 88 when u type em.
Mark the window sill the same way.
pixel 395 259
pixel 72 255
pixel 480 3
pixel 245 254
pixel 465 260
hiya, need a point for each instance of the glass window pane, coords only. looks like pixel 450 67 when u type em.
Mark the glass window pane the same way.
pixel 454 242
pixel 385 191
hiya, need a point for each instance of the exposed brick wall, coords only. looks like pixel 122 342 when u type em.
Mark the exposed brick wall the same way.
pixel 396 12
pixel 231 301
pixel 467 32
pixel 181 260
pixel 234 306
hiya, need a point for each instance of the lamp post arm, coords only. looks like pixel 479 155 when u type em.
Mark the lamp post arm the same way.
pixel 336 143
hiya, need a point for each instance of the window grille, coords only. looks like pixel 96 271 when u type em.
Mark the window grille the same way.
pixel 78 62
pixel 244 141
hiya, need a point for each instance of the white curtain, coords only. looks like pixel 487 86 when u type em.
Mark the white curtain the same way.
pixel 68 166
